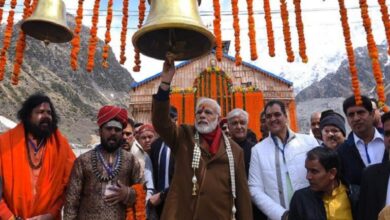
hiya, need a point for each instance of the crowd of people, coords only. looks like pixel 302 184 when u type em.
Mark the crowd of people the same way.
pixel 214 169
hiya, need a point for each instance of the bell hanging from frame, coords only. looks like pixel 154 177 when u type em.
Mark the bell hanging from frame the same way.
pixel 174 26
pixel 48 22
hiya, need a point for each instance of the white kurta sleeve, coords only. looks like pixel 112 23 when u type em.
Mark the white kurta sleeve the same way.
pixel 264 202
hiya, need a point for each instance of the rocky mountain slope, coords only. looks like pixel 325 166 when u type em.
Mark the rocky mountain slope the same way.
pixel 77 95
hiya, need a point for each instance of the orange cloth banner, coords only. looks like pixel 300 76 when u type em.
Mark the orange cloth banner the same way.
pixel 254 104
pixel 189 103
pixel 176 100
pixel 238 100
pixel 292 115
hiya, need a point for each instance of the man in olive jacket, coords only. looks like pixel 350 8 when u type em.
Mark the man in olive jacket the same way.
pixel 205 162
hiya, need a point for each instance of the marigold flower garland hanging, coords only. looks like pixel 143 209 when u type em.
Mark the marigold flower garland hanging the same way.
pixel 373 52
pixel 141 17
pixel 386 22
pixel 93 37
pixel 270 31
pixel 236 26
pixel 107 39
pixel 138 211
pixel 2 2
pixel 252 31
pixel 350 53
pixel 7 38
pixel 21 43
pixel 217 29
pixel 301 34
pixel 286 31
pixel 125 18
pixel 76 39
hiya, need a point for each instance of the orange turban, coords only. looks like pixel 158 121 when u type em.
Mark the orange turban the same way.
pixel 108 113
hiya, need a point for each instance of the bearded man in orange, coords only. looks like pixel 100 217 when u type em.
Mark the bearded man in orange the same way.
pixel 35 163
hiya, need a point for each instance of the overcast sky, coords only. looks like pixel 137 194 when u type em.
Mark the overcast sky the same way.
pixel 322 27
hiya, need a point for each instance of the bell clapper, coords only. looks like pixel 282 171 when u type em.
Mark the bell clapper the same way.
pixel 47 42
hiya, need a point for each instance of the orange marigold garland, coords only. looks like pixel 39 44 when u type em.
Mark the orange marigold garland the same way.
pixel 217 29
pixel 125 18
pixel 386 22
pixel 270 31
pixel 252 31
pixel 350 53
pixel 236 26
pixel 93 38
pixel 76 39
pixel 138 211
pixel 7 39
pixel 301 34
pixel 141 17
pixel 2 2
pixel 373 52
pixel 21 44
pixel 286 31
pixel 108 34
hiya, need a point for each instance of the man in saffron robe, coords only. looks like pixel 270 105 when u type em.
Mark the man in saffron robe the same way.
pixel 35 163
pixel 99 186
pixel 209 180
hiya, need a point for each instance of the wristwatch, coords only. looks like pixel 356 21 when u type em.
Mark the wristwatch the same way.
pixel 166 83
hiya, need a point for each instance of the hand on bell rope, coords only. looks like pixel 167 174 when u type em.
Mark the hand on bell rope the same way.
pixel 168 71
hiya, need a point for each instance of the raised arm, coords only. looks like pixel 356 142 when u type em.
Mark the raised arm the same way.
pixel 160 106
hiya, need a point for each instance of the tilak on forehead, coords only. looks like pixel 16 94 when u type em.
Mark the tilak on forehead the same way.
pixel 205 105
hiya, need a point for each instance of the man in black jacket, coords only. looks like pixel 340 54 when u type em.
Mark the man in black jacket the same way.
pixel 364 145
pixel 374 195
pixel 163 165
pixel 238 129
pixel 327 197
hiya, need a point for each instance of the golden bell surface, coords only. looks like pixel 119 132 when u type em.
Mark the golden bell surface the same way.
pixel 174 26
pixel 48 22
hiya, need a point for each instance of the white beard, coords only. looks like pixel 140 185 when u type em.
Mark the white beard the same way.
pixel 205 129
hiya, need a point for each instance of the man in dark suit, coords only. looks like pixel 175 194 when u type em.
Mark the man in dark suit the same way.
pixel 374 195
pixel 163 164
pixel 364 145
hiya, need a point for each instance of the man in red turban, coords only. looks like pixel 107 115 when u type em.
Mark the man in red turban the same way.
pixel 108 113
pixel 101 177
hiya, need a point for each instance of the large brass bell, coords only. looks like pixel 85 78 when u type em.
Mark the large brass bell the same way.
pixel 48 22
pixel 174 26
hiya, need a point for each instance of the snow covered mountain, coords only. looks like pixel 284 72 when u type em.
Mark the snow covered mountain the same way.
pixel 324 42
